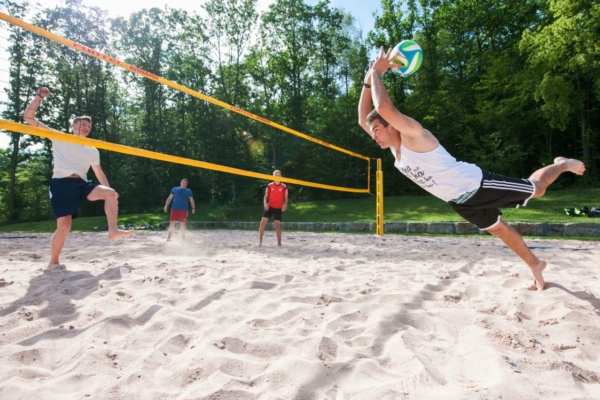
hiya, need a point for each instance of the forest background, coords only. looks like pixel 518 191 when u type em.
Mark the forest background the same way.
pixel 506 85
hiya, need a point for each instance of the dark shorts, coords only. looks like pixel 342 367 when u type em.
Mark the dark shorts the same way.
pixel 273 211
pixel 66 194
pixel 496 191
pixel 178 215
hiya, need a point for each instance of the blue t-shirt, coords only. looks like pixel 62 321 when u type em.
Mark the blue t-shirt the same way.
pixel 181 198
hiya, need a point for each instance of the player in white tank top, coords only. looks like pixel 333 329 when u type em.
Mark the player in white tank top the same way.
pixel 420 157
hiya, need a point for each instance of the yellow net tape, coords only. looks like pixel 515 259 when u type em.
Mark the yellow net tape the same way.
pixel 56 135
pixel 149 75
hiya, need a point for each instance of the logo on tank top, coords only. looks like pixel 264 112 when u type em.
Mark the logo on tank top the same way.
pixel 418 176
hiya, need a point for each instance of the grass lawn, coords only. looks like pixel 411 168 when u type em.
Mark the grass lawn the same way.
pixel 424 208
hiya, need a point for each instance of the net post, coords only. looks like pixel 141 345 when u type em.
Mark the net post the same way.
pixel 379 199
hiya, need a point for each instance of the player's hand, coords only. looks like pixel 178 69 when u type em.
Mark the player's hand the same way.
pixel 283 208
pixel 116 195
pixel 266 207
pixel 193 211
pixel 43 92
pixel 382 63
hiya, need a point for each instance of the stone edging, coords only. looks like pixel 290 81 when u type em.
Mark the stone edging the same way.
pixel 446 228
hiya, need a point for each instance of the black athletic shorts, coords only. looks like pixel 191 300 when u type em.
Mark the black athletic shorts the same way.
pixel 66 194
pixel 496 191
pixel 273 211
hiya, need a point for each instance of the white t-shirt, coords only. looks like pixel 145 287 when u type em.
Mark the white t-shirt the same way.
pixel 438 172
pixel 71 158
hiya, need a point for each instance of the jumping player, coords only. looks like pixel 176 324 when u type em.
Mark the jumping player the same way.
pixel 275 203
pixel 179 210
pixel 69 186
pixel 474 194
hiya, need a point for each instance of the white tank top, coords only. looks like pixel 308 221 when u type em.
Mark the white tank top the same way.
pixel 438 172
pixel 71 158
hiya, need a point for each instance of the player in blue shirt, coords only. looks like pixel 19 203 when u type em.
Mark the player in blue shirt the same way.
pixel 179 211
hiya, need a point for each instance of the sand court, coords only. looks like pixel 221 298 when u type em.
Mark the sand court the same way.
pixel 326 316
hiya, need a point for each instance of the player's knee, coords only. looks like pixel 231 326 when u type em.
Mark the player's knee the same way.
pixel 498 230
pixel 63 228
pixel 539 192
pixel 103 193
pixel 111 193
pixel 540 189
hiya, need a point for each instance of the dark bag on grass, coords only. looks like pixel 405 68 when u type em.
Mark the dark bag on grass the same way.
pixel 594 212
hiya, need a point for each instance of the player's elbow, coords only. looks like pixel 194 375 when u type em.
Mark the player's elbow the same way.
pixel 363 124
pixel 385 108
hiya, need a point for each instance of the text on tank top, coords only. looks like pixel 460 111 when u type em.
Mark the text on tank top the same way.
pixel 438 172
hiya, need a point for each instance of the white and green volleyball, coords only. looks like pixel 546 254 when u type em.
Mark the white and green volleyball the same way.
pixel 408 55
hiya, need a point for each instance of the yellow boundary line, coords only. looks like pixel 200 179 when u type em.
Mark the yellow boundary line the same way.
pixel 146 74
pixel 119 148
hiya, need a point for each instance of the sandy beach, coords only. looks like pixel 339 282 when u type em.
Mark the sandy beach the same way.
pixel 326 316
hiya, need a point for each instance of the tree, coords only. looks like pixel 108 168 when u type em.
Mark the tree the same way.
pixel 563 52
pixel 24 58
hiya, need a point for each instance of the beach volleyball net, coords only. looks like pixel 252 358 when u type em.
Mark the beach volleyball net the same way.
pixel 97 86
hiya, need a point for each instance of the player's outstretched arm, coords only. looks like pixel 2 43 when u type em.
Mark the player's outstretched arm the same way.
pixel 29 116
pixel 383 103
pixel 364 104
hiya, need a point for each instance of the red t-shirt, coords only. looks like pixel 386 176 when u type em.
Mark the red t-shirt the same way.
pixel 276 194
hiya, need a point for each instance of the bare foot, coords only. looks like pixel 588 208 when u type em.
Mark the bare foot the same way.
pixel 538 279
pixel 260 244
pixel 573 165
pixel 120 234
pixel 56 267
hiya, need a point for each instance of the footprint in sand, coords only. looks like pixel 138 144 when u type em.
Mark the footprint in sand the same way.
pixel 262 350
pixel 4 283
pixel 327 349
pixel 176 344
pixel 124 295
pixel 285 317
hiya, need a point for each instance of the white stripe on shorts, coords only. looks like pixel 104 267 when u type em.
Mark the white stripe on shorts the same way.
pixel 517 187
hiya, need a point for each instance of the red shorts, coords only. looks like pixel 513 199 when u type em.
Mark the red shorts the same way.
pixel 178 215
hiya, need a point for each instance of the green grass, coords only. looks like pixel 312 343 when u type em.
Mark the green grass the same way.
pixel 406 209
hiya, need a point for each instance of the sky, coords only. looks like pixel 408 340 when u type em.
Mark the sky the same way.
pixel 362 10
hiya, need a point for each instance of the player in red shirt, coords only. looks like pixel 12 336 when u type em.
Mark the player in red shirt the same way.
pixel 275 203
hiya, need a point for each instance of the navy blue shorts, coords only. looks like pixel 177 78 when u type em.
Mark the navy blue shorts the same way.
pixel 66 194
pixel 273 211
pixel 496 191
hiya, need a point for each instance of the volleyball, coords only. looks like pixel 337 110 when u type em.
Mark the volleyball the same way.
pixel 408 55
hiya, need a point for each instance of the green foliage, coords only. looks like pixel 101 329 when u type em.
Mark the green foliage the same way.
pixel 563 50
